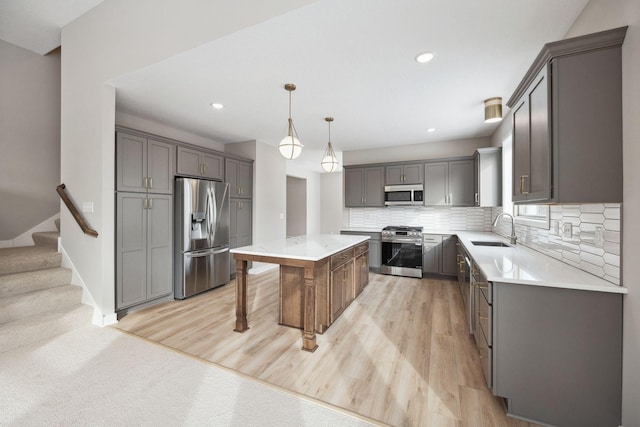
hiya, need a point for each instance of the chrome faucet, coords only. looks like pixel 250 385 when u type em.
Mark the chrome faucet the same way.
pixel 513 226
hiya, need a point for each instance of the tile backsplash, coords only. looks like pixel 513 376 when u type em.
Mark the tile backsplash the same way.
pixel 592 244
pixel 438 219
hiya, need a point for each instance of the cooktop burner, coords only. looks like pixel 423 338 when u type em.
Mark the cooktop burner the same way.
pixel 402 228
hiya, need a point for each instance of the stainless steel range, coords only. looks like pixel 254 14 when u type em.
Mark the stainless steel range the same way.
pixel 402 251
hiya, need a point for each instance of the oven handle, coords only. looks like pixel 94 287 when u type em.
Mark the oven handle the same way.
pixel 396 240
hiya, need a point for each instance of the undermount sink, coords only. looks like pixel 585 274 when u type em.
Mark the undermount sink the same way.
pixel 490 243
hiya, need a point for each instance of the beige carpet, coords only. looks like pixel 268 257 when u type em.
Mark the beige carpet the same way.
pixel 104 377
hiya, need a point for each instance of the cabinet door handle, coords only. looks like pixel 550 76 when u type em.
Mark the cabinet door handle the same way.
pixel 146 204
pixel 522 184
pixel 150 183
pixel 477 202
pixel 144 182
pixel 150 203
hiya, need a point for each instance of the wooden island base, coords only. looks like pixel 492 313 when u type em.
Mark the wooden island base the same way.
pixel 313 293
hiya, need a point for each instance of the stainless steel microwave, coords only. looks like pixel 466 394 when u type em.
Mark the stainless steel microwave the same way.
pixel 403 195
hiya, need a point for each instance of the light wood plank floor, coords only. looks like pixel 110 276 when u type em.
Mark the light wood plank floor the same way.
pixel 399 354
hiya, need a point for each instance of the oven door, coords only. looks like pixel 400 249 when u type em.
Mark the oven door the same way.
pixel 402 257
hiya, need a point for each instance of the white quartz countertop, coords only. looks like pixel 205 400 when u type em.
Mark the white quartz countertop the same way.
pixel 312 247
pixel 519 264
pixel 362 230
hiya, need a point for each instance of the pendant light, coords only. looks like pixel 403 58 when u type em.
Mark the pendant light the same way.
pixel 493 110
pixel 329 160
pixel 290 147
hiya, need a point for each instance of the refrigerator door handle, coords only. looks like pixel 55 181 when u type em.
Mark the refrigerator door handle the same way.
pixel 199 254
pixel 220 251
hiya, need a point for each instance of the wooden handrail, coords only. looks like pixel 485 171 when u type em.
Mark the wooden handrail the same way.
pixel 60 189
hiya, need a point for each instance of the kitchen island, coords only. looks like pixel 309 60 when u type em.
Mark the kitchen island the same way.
pixel 319 275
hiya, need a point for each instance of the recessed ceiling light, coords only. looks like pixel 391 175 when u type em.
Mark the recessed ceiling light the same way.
pixel 425 57
pixel 431 130
pixel 217 106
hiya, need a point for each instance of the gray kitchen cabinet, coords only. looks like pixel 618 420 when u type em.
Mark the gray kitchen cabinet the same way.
pixel 144 248
pixel 567 123
pixel 375 248
pixel 239 175
pixel 449 183
pixel 449 255
pixel 240 227
pixel 200 164
pixel 403 174
pixel 364 186
pixel 487 173
pixel 144 165
pixel 557 354
pixel 439 254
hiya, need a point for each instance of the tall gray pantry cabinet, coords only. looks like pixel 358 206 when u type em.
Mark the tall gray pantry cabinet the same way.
pixel 239 175
pixel 145 171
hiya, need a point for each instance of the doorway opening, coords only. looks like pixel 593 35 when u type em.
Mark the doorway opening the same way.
pixel 296 206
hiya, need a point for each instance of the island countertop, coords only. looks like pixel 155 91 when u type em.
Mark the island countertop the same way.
pixel 312 247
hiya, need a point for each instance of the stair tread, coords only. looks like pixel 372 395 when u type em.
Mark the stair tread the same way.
pixel 55 234
pixel 32 329
pixel 28 258
pixel 28 281
pixel 39 301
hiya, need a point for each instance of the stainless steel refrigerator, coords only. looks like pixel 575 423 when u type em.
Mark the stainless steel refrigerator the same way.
pixel 201 236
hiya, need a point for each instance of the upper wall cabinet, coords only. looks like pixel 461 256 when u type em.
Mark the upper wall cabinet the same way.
pixel 144 165
pixel 364 187
pixel 403 174
pixel 200 164
pixel 239 175
pixel 449 183
pixel 487 173
pixel 567 123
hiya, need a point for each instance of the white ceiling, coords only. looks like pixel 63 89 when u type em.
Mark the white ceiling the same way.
pixel 353 60
pixel 35 24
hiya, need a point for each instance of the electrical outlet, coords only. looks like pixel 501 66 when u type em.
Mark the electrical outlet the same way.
pixel 567 229
pixel 555 228
pixel 598 240
pixel 87 207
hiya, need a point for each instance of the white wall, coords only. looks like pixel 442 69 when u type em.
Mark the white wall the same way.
pixel 30 126
pixel 160 129
pixel 114 38
pixel 427 150
pixel 597 16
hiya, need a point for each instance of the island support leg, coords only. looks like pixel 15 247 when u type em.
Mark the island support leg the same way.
pixel 241 296
pixel 309 333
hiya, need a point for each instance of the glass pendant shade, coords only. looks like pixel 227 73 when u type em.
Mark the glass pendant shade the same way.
pixel 493 110
pixel 329 161
pixel 290 146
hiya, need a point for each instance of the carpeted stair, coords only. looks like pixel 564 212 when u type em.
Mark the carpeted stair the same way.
pixel 37 301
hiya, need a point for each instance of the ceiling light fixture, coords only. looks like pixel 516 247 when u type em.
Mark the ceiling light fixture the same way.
pixel 329 160
pixel 425 57
pixel 290 146
pixel 430 130
pixel 217 106
pixel 493 110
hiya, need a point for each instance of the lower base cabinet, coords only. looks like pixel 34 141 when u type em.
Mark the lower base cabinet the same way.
pixel 375 248
pixel 439 254
pixel 339 281
pixel 557 354
pixel 144 248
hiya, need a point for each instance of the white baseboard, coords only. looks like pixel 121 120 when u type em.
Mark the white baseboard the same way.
pixel 25 238
pixel 99 319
